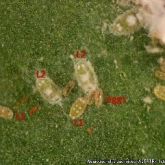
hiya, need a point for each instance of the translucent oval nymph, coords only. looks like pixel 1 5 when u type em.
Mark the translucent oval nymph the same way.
pixel 49 90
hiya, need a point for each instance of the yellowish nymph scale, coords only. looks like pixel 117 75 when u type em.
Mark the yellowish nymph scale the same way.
pixel 78 108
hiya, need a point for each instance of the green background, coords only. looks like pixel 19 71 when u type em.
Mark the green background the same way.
pixel 40 34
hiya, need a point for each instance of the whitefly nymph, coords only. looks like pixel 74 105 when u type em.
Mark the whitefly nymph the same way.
pixel 85 75
pixel 87 79
pixel 49 90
